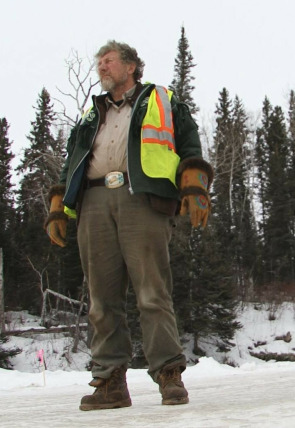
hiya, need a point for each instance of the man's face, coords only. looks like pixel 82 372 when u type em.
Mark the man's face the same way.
pixel 112 71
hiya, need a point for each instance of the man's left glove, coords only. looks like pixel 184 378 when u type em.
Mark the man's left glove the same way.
pixel 56 223
pixel 196 176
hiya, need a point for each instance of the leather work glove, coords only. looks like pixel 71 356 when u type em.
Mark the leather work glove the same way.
pixel 198 206
pixel 195 181
pixel 56 223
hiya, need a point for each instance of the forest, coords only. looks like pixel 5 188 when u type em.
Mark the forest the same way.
pixel 246 252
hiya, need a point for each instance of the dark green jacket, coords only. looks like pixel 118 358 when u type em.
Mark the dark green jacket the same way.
pixel 82 137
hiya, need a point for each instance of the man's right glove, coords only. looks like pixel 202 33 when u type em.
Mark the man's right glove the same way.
pixel 198 206
pixel 196 176
pixel 56 223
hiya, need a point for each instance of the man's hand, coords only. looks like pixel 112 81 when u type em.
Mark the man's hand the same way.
pixel 56 223
pixel 56 229
pixel 195 180
pixel 198 206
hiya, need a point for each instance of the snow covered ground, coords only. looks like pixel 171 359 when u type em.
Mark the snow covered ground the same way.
pixel 220 396
pixel 255 393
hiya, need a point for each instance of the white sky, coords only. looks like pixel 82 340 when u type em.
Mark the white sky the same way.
pixel 243 45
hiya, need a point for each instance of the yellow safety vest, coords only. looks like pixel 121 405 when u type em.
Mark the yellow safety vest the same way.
pixel 158 155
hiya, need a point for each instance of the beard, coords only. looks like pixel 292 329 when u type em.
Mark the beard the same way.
pixel 108 83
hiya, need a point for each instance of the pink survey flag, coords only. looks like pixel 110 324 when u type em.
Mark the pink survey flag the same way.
pixel 40 356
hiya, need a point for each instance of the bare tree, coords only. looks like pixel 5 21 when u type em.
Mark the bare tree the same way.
pixel 81 78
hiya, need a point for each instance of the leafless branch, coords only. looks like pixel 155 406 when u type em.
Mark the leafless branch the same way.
pixel 81 84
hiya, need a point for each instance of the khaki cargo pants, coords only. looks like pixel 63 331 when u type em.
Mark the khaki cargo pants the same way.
pixel 120 236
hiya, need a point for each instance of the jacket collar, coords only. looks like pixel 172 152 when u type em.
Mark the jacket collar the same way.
pixel 100 100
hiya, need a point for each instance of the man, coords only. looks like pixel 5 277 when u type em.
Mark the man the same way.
pixel 124 158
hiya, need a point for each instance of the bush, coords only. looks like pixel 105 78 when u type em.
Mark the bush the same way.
pixel 6 354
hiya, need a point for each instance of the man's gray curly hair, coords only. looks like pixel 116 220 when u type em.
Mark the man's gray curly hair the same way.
pixel 127 55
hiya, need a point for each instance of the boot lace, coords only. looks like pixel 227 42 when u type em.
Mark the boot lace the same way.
pixel 117 378
pixel 170 376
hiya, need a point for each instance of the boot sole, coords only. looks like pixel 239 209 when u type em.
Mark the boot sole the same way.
pixel 175 401
pixel 115 405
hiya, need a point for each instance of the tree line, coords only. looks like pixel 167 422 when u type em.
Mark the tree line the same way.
pixel 249 242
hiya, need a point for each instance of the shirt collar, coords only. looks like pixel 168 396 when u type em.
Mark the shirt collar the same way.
pixel 127 96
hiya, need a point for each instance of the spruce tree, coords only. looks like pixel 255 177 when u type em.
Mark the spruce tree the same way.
pixel 7 354
pixel 262 171
pixel 273 177
pixel 181 84
pixel 6 193
pixel 222 155
pixel 225 251
pixel 236 226
pixel 291 179
pixel 213 292
pixel 179 247
pixel 244 241
pixel 41 163
pixel 40 168
pixel 181 260
pixel 7 213
pixel 262 163
pixel 277 232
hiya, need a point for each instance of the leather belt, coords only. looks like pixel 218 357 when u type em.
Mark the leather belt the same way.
pixel 106 181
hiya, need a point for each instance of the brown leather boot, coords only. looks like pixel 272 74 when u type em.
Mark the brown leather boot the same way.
pixel 110 393
pixel 171 386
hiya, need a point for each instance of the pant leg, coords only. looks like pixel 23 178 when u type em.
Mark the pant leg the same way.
pixel 144 236
pixel 106 273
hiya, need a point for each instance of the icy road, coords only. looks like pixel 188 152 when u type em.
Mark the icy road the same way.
pixel 220 396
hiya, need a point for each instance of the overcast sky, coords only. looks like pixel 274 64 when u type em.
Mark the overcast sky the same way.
pixel 246 46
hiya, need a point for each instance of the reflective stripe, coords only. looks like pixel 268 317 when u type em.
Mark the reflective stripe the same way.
pixel 152 136
pixel 157 126
pixel 158 153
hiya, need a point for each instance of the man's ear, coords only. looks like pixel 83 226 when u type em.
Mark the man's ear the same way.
pixel 131 68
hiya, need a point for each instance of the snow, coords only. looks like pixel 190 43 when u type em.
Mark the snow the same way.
pixel 249 392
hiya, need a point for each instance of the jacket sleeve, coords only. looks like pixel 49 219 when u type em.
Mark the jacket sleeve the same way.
pixel 70 148
pixel 187 138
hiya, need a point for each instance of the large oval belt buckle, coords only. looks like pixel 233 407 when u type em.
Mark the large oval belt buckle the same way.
pixel 114 179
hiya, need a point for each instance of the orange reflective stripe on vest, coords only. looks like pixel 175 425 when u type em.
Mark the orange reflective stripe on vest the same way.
pixel 162 131
pixel 158 154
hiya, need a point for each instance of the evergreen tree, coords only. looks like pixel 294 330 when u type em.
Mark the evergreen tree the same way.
pixel 225 252
pixel 40 168
pixel 262 171
pixel 272 155
pixel 277 236
pixel 7 354
pixel 235 225
pixel 244 242
pixel 181 260
pixel 42 162
pixel 182 82
pixel 214 292
pixel 262 162
pixel 6 194
pixel 291 179
pixel 7 210
pixel 222 153
pixel 179 247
